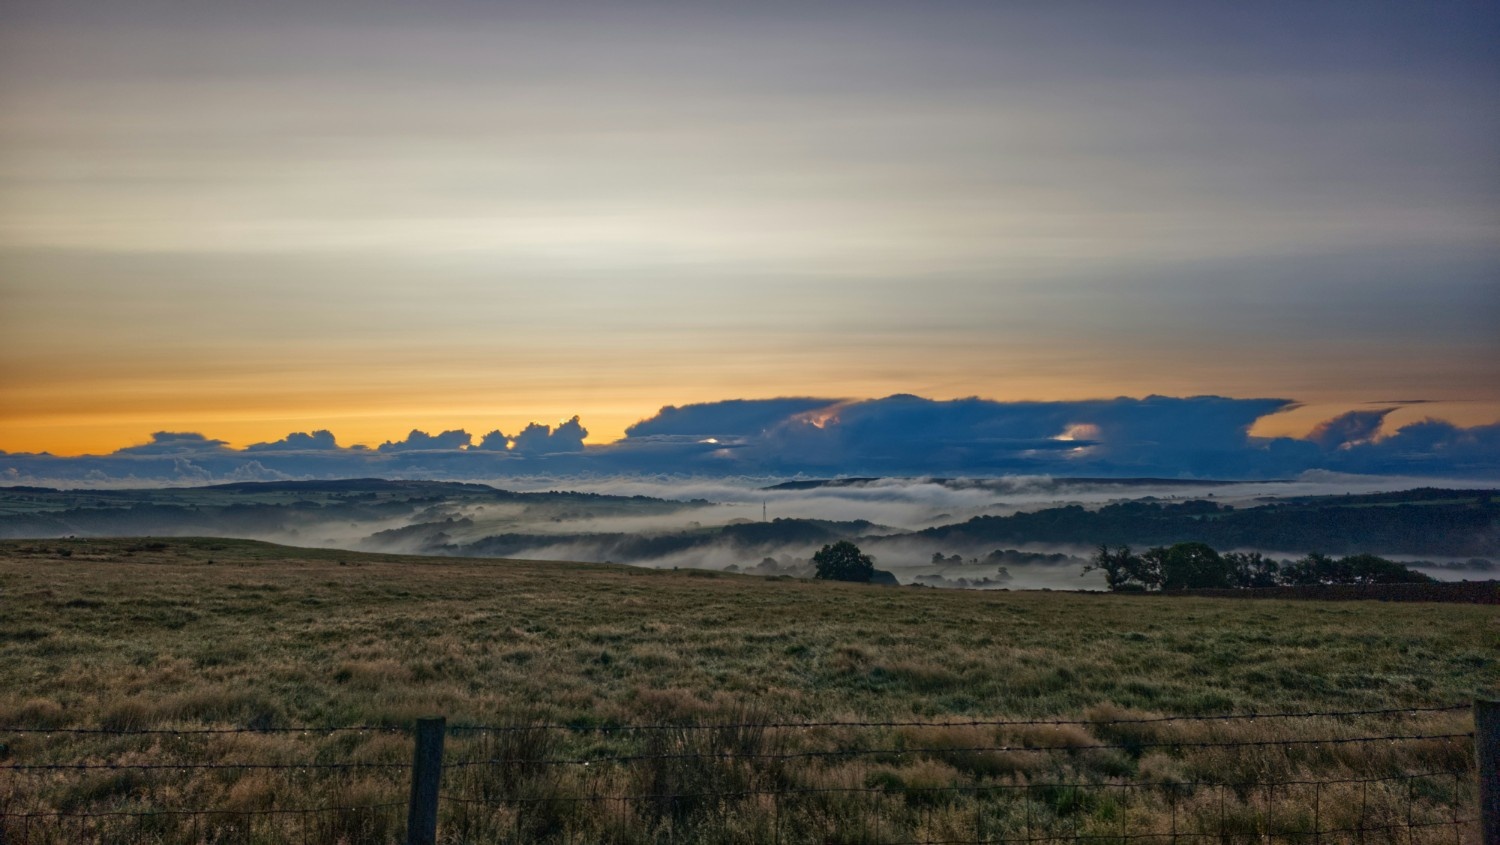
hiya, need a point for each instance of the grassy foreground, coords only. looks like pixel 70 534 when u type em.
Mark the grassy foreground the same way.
pixel 130 635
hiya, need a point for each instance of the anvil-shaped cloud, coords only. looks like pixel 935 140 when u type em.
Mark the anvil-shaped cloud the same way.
pixel 1154 436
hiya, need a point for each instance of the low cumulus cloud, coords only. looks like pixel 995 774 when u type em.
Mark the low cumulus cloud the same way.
pixel 537 439
pixel 298 441
pixel 185 471
pixel 1346 430
pixel 1196 437
pixel 173 443
pixel 495 441
pixel 1428 446
pixel 422 441
pixel 256 471
pixel 909 434
pixel 729 418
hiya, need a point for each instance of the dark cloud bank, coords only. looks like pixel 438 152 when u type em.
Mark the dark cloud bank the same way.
pixel 1157 436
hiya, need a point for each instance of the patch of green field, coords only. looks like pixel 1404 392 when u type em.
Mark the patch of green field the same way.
pixel 186 633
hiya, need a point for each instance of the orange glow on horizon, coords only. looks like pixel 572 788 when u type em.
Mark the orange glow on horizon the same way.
pixel 73 434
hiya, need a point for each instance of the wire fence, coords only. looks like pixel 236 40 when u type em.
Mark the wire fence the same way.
pixel 585 727
pixel 1358 776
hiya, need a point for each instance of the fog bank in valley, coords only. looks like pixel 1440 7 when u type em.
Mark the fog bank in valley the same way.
pixel 1015 532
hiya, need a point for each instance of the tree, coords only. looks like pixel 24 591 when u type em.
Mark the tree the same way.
pixel 1353 569
pixel 1252 570
pixel 1122 569
pixel 1307 571
pixel 843 561
pixel 1369 569
pixel 1177 567
pixel 1186 566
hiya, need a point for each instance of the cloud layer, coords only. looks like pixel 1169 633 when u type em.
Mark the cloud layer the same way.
pixel 901 435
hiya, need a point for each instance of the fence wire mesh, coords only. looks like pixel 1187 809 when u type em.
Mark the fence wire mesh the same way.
pixel 1357 776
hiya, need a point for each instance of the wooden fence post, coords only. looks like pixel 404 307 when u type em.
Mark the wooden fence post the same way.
pixel 426 773
pixel 1487 756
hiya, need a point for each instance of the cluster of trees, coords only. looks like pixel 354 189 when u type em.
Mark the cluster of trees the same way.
pixel 1184 566
pixel 1448 523
pixel 1181 566
pixel 1000 579
pixel 843 561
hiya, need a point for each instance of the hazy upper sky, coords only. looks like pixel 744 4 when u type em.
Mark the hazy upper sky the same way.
pixel 253 218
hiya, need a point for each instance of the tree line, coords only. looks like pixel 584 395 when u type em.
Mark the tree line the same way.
pixel 1449 523
pixel 1186 566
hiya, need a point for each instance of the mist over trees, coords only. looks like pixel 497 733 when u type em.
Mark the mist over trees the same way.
pixel 1192 566
pixel 467 520
pixel 1422 521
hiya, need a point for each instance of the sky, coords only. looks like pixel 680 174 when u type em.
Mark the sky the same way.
pixel 248 219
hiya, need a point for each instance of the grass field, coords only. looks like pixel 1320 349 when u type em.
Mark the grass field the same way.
pixel 127 635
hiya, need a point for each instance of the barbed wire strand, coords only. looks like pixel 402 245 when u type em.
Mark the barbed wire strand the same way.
pixel 1169 836
pixel 664 726
pixel 969 789
pixel 203 812
pixel 667 726
pixel 85 767
pixel 307 729
pixel 730 755
pixel 862 752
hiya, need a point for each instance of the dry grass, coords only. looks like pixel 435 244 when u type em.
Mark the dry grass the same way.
pixel 273 637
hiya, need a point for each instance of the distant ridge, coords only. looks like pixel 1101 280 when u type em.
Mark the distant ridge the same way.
pixel 345 485
pixel 815 483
